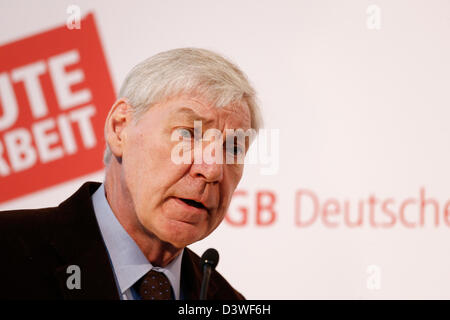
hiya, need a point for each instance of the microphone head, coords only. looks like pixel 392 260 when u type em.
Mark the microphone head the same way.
pixel 211 257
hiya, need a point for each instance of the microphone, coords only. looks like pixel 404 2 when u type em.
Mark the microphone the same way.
pixel 209 261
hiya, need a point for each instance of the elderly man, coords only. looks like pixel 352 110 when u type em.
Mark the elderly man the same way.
pixel 127 238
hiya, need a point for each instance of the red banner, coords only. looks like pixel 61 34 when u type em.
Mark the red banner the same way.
pixel 55 92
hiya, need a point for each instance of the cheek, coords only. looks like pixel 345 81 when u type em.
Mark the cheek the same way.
pixel 140 158
pixel 226 197
pixel 219 218
pixel 232 177
pixel 149 155
pixel 149 171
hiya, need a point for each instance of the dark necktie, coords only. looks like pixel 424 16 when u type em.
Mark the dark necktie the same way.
pixel 154 285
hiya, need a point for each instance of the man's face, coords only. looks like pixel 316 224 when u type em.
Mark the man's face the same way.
pixel 160 188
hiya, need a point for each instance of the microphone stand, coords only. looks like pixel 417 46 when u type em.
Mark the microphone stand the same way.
pixel 205 281
pixel 209 261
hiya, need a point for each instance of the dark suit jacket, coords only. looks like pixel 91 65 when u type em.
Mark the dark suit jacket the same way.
pixel 37 246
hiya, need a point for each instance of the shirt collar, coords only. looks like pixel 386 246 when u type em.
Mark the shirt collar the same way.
pixel 129 263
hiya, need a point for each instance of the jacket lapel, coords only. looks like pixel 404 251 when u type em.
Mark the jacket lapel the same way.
pixel 78 241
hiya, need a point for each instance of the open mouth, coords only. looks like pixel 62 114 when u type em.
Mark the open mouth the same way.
pixel 193 203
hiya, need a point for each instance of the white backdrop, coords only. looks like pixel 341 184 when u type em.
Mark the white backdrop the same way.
pixel 360 111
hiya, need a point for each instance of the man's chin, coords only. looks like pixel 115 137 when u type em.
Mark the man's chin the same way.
pixel 180 234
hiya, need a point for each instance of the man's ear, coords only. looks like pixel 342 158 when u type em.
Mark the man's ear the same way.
pixel 119 117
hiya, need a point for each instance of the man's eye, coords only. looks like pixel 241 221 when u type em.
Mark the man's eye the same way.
pixel 236 150
pixel 185 133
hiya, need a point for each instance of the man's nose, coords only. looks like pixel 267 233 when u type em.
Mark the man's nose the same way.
pixel 210 171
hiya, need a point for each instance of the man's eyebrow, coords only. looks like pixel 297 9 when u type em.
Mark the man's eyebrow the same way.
pixel 191 115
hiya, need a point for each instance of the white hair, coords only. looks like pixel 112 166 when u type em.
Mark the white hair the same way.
pixel 187 71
